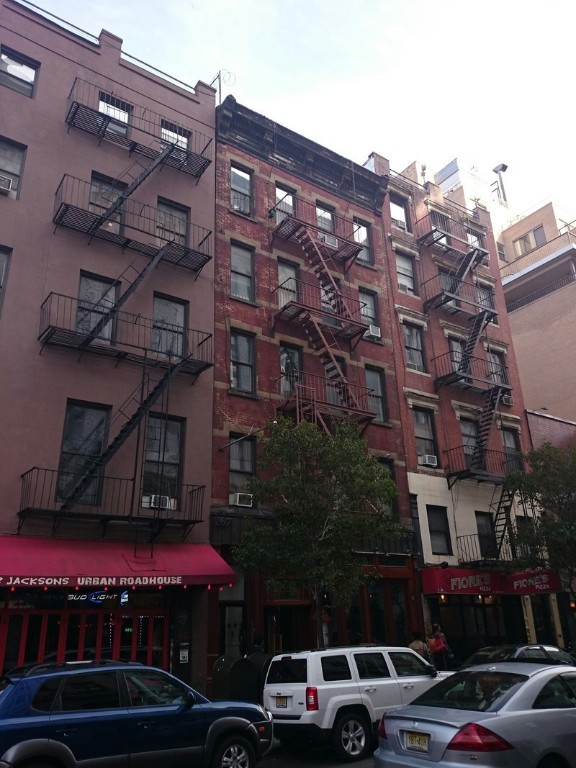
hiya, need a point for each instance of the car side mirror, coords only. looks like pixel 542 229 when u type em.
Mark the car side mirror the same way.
pixel 432 671
pixel 190 699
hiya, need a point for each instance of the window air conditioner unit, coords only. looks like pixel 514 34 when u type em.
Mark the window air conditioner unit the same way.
pixel 328 239
pixel 158 502
pixel 5 185
pixel 374 332
pixel 507 400
pixel 398 223
pixel 240 499
pixel 403 288
pixel 428 460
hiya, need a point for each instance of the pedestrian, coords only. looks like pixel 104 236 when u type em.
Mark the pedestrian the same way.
pixel 442 656
pixel 419 645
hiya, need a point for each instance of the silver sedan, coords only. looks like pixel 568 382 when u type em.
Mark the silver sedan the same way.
pixel 509 715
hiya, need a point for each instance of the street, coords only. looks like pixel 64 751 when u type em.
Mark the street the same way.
pixel 311 758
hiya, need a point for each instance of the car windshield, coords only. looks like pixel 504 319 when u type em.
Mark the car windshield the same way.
pixel 475 691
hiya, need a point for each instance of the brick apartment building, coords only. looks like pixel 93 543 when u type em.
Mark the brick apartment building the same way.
pixel 106 340
pixel 330 272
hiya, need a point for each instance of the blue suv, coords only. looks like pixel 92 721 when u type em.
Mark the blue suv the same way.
pixel 123 715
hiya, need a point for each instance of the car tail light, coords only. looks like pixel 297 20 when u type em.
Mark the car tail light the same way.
pixel 475 738
pixel 311 699
pixel 382 729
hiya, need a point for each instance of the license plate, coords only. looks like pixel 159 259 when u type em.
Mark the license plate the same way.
pixel 281 702
pixel 418 742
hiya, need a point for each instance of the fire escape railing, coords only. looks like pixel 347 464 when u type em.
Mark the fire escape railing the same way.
pixel 67 321
pixel 456 296
pixel 469 372
pixel 326 394
pixel 464 462
pixel 137 128
pixel 135 226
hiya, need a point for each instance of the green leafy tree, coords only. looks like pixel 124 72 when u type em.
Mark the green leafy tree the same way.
pixel 326 494
pixel 549 487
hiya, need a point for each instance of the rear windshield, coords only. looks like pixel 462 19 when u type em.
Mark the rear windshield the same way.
pixel 287 670
pixel 475 691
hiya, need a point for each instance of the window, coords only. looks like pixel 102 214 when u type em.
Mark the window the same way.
pixel 475 239
pixel 290 367
pixel 11 162
pixel 371 664
pixel 529 241
pixel 96 297
pixel 161 475
pixel 240 191
pixel 486 535
pixel 501 252
pixel 512 449
pixel 168 327
pixel 440 223
pixel 98 690
pixel 284 203
pixel 485 296
pixel 324 218
pixel 469 432
pixel 399 212
pixel 362 237
pixel 151 688
pixel 119 111
pixel 242 462
pixel 242 273
pixel 497 367
pixel 172 223
pixel 457 353
pixel 4 256
pixel 407 664
pixel 172 133
pixel 330 303
pixel 103 193
pixel 424 431
pixel 414 347
pixel 334 392
pixel 287 283
pixel 376 398
pixel 405 273
pixel 84 439
pixel 368 310
pixel 242 377
pixel 17 71
pixel 438 529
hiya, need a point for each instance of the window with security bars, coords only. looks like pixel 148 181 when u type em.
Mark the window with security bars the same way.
pixel 83 441
pixel 241 273
pixel 118 110
pixel 285 203
pixel 171 223
pixel 168 327
pixel 96 298
pixel 162 456
pixel 171 133
pixel 242 466
pixel 240 190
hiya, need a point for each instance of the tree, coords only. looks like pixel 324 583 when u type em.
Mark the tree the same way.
pixel 549 486
pixel 325 494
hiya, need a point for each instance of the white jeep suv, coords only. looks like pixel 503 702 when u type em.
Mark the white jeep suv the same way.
pixel 338 695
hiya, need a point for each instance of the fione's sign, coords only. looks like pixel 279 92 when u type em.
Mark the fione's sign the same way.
pixel 90 581
pixel 466 581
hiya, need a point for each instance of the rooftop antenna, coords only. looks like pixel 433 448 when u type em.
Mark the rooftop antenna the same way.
pixel 226 77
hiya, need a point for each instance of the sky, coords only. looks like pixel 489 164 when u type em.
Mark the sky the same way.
pixel 425 80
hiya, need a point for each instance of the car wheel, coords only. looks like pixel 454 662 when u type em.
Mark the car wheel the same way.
pixel 351 737
pixel 234 752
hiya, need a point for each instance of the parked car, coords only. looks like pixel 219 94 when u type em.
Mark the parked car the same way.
pixel 338 695
pixel 533 652
pixel 507 715
pixel 72 714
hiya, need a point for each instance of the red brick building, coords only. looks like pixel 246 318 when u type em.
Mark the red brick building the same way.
pixel 302 327
pixel 106 341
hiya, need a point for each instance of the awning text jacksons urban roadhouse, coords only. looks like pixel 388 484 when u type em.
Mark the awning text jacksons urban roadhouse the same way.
pixel 89 581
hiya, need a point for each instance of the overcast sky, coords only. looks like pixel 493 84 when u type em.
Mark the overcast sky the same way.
pixel 427 80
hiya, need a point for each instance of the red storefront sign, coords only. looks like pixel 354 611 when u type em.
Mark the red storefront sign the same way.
pixel 469 581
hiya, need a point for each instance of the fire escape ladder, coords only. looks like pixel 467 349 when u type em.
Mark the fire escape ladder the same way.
pixel 481 320
pixel 133 283
pixel 95 464
pixel 469 262
pixel 502 517
pixel 337 381
pixel 120 193
pixel 478 459
pixel 332 292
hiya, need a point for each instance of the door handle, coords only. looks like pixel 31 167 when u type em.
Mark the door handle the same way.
pixel 408 685
pixel 370 690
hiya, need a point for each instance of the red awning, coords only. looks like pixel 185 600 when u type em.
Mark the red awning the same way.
pixel 469 581
pixel 27 561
